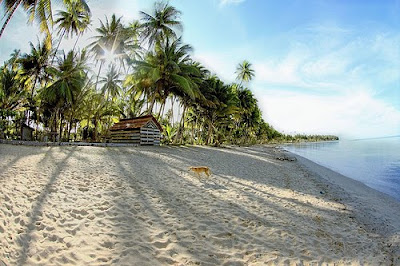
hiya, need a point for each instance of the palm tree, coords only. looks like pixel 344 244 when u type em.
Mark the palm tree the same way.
pixel 110 43
pixel 69 78
pixel 133 49
pixel 34 68
pixel 162 24
pixel 98 112
pixel 244 72
pixel 219 105
pixel 39 10
pixel 74 20
pixel 11 94
pixel 130 103
pixel 111 84
pixel 34 65
pixel 168 69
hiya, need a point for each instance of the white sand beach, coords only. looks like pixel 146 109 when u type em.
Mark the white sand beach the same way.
pixel 141 206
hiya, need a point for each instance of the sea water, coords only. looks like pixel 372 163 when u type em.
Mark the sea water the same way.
pixel 374 162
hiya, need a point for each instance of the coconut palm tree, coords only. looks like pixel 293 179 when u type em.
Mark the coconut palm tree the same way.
pixel 97 113
pixel 111 84
pixel 12 93
pixel 33 73
pixel 110 44
pixel 74 20
pixel 163 23
pixel 168 69
pixel 34 65
pixel 244 72
pixel 39 10
pixel 219 105
pixel 69 79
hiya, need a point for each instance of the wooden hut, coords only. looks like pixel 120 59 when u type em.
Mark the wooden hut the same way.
pixel 144 130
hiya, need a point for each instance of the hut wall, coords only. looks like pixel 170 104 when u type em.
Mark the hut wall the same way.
pixel 149 136
pixel 126 136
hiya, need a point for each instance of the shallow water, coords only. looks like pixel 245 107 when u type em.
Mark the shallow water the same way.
pixel 375 162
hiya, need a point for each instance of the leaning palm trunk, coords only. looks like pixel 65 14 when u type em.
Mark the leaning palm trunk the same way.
pixel 153 101
pixel 98 74
pixel 77 39
pixel 192 141
pixel 179 135
pixel 183 124
pixel 161 109
pixel 58 46
pixel 210 132
pixel 199 137
pixel 10 16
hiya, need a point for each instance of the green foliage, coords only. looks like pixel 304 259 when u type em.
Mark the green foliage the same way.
pixel 144 68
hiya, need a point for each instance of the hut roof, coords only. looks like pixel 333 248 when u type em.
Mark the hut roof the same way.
pixel 136 122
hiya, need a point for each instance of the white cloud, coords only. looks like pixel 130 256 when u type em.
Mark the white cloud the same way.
pixel 352 115
pixel 223 65
pixel 282 72
pixel 325 65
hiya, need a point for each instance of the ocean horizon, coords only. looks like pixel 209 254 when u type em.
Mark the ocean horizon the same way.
pixel 374 161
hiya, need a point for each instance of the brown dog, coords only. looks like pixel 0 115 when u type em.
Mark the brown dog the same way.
pixel 200 169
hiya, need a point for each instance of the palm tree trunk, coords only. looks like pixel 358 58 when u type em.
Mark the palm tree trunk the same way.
pixel 98 74
pixel 88 123
pixel 192 142
pixel 61 127
pixel 161 109
pixel 77 39
pixel 199 131
pixel 33 88
pixel 37 123
pixel 70 126
pixel 172 111
pixel 183 122
pixel 179 134
pixel 55 52
pixel 76 131
pixel 10 16
pixel 31 100
pixel 209 133
pixel 54 126
pixel 95 130
pixel 153 100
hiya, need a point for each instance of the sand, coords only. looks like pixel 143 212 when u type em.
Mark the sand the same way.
pixel 141 206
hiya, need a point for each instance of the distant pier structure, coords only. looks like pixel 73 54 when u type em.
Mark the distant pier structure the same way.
pixel 144 130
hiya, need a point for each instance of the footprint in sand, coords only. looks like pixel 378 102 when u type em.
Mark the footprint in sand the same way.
pixel 108 244
pixel 162 245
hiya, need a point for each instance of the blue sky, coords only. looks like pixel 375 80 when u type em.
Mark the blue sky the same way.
pixel 322 67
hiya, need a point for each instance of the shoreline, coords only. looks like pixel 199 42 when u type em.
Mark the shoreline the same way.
pixel 348 158
pixel 366 201
pixel 127 205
